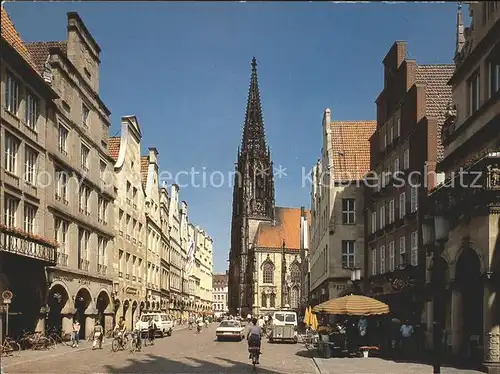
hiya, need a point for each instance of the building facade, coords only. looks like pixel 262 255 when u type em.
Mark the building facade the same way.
pixel 404 151
pixel 337 207
pixel 253 201
pixel 150 182
pixel 204 265
pixel 26 239
pixel 81 204
pixel 463 232
pixel 129 253
pixel 165 250
pixel 277 252
pixel 219 293
pixel 176 260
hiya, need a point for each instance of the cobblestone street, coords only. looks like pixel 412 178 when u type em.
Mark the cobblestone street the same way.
pixel 186 352
pixel 183 352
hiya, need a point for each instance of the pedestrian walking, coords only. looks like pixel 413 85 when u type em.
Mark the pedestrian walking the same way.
pixel 76 333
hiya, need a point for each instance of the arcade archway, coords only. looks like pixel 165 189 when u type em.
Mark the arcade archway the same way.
pixel 102 303
pixel 82 302
pixel 57 301
pixel 471 287
pixel 135 313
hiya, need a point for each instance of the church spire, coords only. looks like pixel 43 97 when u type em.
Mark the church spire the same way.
pixel 254 138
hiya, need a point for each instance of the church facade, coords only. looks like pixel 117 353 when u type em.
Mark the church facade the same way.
pixel 264 259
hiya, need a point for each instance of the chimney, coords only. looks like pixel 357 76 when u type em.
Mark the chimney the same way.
pixel 153 156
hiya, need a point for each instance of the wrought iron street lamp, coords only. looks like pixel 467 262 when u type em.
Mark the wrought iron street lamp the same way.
pixel 356 278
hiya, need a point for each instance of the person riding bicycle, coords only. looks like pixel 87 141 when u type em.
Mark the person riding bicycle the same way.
pixel 137 333
pixel 120 329
pixel 254 338
pixel 152 331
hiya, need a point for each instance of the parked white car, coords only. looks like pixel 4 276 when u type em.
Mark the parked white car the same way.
pixel 164 325
pixel 230 329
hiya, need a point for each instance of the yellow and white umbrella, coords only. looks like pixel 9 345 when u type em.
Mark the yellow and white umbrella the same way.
pixel 314 321
pixel 307 316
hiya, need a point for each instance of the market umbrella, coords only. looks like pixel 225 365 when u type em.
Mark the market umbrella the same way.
pixel 307 316
pixel 314 322
pixel 353 305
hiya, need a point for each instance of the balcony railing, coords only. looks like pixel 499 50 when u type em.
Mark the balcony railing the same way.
pixel 27 245
pixel 102 269
pixel 62 259
pixel 84 265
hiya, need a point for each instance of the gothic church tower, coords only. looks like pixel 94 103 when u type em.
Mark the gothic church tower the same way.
pixel 253 201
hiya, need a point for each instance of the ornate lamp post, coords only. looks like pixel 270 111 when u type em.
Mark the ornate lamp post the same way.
pixel 355 279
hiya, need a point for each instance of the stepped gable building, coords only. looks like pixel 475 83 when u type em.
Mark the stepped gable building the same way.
pixel 337 205
pixel 80 208
pixel 26 239
pixel 254 213
pixel 404 151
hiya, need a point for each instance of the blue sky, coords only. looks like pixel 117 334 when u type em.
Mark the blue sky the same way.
pixel 184 70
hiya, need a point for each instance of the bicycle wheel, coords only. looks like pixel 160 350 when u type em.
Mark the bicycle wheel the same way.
pixel 115 345
pixel 52 342
pixel 133 345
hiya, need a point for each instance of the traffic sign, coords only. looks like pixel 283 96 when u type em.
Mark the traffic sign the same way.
pixel 7 295
pixel 7 301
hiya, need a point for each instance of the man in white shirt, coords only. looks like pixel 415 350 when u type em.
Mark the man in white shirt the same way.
pixel 406 333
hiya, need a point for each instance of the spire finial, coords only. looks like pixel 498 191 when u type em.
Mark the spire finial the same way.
pixel 254 63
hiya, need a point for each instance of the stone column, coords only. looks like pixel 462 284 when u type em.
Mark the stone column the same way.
pixel 67 323
pixel 429 312
pixel 456 320
pixel 89 324
pixel 491 329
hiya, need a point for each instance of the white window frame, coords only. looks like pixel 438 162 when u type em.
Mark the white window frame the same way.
pixel 30 163
pixel 382 216
pixel 391 211
pixel 392 262
pixel 31 111
pixel 11 94
pixel 85 115
pixel 493 78
pixel 63 136
pixel 474 87
pixel 414 248
pixel 30 218
pixel 382 259
pixel 374 222
pixel 62 179
pixel 348 211
pixel 10 210
pixel 12 145
pixel 396 164
pixel 61 234
pixel 406 159
pixel 398 127
pixel 348 254
pixel 84 154
pixel 402 204
pixel 402 245
pixel 413 198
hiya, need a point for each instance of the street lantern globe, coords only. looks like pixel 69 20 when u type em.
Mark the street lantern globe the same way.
pixel 355 274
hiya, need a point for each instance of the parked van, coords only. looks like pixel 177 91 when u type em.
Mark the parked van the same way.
pixel 164 325
pixel 284 324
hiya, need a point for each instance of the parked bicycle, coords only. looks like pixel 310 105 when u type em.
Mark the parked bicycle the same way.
pixel 9 346
pixel 36 341
pixel 59 337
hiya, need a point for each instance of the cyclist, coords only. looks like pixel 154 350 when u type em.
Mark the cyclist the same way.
pixel 120 329
pixel 254 338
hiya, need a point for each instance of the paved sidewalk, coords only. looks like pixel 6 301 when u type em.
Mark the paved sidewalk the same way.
pixel 373 365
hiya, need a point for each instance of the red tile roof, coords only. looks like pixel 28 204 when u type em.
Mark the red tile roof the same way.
pixel 220 280
pixel 286 228
pixel 11 36
pixel 114 143
pixel 437 94
pixel 39 51
pixel 144 170
pixel 351 148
